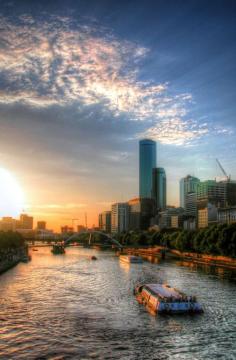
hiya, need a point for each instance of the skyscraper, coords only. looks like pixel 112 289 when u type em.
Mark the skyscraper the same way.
pixel 159 187
pixel 187 185
pixel 147 161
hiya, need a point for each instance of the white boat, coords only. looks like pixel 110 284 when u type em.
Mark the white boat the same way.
pixel 131 259
pixel 165 299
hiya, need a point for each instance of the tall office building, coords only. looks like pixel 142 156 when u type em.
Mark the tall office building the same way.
pixel 119 217
pixel 147 161
pixel 187 185
pixel 159 187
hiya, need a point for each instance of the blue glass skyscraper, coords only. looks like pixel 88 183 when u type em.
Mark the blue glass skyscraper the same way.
pixel 147 161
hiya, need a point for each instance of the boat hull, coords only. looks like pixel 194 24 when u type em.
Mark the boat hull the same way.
pixel 157 305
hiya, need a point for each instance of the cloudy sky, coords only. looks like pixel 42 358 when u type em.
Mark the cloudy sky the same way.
pixel 82 81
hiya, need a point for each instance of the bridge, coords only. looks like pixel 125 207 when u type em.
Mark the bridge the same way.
pixel 90 233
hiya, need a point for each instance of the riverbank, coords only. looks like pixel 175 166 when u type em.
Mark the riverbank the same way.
pixel 11 257
pixel 157 252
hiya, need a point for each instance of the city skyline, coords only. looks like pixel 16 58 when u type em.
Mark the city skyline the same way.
pixel 80 85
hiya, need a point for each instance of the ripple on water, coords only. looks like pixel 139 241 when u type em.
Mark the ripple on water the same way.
pixel 67 307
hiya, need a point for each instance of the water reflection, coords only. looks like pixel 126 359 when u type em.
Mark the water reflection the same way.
pixel 68 307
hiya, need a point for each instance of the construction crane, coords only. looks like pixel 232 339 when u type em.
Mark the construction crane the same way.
pixel 223 170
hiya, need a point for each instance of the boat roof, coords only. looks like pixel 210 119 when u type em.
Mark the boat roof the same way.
pixel 164 291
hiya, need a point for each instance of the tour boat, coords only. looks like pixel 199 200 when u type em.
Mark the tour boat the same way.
pixel 165 299
pixel 131 259
pixel 58 249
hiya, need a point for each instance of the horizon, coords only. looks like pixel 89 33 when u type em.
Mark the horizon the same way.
pixel 81 84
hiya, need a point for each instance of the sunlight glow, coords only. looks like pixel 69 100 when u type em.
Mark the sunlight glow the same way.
pixel 11 195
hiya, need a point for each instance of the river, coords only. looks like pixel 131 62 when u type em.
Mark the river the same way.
pixel 69 307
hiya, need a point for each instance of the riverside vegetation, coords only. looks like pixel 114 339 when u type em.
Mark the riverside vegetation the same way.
pixel 219 239
pixel 12 249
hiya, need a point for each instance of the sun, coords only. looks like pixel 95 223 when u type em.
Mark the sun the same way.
pixel 11 195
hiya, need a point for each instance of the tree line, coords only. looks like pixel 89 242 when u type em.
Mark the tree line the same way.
pixel 218 239
pixel 11 240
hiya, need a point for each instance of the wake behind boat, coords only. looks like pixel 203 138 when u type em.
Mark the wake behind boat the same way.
pixel 165 299
pixel 131 259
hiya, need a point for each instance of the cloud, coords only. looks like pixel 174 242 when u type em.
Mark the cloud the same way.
pixel 176 131
pixel 56 62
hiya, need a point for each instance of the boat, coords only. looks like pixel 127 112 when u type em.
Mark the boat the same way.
pixel 161 298
pixel 58 249
pixel 132 259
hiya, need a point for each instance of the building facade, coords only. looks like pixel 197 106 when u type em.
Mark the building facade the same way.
pixel 26 222
pixel 191 204
pixel 119 217
pixel 147 161
pixel 227 215
pixel 105 221
pixel 159 188
pixel 207 216
pixel 140 213
pixel 8 224
pixel 171 217
pixel 41 225
pixel 187 184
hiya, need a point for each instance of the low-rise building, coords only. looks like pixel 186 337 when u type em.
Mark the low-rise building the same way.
pixel 141 210
pixel 165 217
pixel 41 225
pixel 190 223
pixel 8 224
pixel 227 215
pixel 207 216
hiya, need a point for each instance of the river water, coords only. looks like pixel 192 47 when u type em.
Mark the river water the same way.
pixel 69 307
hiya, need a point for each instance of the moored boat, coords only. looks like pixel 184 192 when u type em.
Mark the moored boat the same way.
pixel 165 299
pixel 131 259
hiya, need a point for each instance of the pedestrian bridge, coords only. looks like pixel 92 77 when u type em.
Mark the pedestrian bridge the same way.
pixel 109 238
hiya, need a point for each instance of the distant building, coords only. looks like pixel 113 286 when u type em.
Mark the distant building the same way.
pixel 105 221
pixel 147 161
pixel 67 229
pixel 207 216
pixel 81 228
pixel 187 185
pixel 140 213
pixel 165 220
pixel 212 192
pixel 227 215
pixel 41 225
pixel 43 234
pixel 159 187
pixel 8 224
pixel 190 223
pixel 26 222
pixel 230 193
pixel 191 204
pixel 119 217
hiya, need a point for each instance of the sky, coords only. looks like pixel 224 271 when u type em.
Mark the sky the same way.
pixel 82 81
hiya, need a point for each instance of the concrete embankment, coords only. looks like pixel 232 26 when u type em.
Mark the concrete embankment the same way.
pixel 161 252
pixel 11 257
